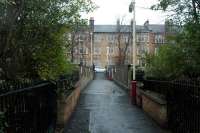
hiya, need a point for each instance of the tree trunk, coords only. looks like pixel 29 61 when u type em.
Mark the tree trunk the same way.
pixel 195 15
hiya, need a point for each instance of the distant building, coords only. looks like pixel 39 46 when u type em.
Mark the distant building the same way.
pixel 105 42
pixel 79 51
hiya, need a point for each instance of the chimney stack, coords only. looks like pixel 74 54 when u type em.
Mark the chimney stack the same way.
pixel 131 22
pixel 92 23
pixel 118 22
pixel 146 25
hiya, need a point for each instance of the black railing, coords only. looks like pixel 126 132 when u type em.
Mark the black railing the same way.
pixel 160 87
pixel 31 109
pixel 119 73
pixel 67 83
pixel 31 106
pixel 9 86
pixel 123 74
pixel 183 103
pixel 87 72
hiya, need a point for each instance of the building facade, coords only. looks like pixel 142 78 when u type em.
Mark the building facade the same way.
pixel 112 44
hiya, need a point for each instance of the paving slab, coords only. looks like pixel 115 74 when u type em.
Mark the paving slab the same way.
pixel 104 107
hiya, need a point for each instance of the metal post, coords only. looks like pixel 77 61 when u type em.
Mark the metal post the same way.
pixel 108 56
pixel 80 47
pixel 134 45
pixel 91 51
pixel 133 89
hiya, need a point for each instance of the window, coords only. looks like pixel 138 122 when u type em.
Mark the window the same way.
pixel 148 50
pixel 110 39
pixel 97 38
pixel 86 50
pixel 111 50
pixel 96 50
pixel 159 39
pixel 83 50
pixel 142 37
pixel 80 50
pixel 138 51
pixel 143 48
pixel 107 50
pixel 114 37
pixel 76 51
pixel 156 50
pixel 81 38
pixel 129 50
pixel 111 62
pixel 126 39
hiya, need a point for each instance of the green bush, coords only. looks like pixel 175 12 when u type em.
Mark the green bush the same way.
pixel 2 122
pixel 168 63
pixel 37 37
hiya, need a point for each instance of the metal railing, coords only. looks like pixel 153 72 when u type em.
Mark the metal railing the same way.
pixel 66 83
pixel 87 72
pixel 160 87
pixel 31 109
pixel 119 73
pixel 123 74
pixel 183 103
pixel 31 106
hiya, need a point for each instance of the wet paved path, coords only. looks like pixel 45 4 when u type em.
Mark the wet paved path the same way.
pixel 104 108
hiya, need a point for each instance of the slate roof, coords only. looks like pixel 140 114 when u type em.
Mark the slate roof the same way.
pixel 157 28
pixel 110 28
pixel 127 28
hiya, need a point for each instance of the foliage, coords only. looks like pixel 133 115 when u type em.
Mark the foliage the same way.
pixel 189 41
pixel 121 42
pixel 182 11
pixel 181 58
pixel 35 36
pixel 168 63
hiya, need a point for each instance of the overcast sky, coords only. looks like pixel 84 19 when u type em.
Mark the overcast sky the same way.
pixel 110 10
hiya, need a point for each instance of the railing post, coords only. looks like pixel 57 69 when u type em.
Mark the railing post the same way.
pixel 133 92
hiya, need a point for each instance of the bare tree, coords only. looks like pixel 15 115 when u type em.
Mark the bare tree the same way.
pixel 123 40
pixel 77 29
pixel 73 43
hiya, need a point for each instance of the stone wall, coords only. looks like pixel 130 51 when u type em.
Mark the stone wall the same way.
pixel 155 107
pixel 66 105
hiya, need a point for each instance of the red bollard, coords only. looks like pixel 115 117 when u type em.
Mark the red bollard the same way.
pixel 133 92
pixel 109 75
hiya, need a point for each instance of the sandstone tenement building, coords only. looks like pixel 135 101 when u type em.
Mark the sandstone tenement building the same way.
pixel 106 39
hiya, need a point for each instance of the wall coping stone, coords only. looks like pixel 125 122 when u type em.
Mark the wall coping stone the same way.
pixel 126 88
pixel 156 97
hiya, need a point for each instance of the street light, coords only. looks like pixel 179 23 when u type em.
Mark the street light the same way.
pixel 133 82
pixel 108 56
pixel 91 50
pixel 132 10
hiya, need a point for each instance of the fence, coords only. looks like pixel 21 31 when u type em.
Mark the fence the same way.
pixel 119 73
pixel 123 74
pixel 160 87
pixel 29 110
pixel 183 103
pixel 31 106
pixel 87 72
pixel 66 83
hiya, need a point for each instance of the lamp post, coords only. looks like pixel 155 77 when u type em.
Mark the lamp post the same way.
pixel 108 56
pixel 91 50
pixel 132 9
pixel 133 82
